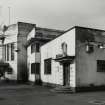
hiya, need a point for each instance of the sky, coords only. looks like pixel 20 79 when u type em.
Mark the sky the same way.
pixel 57 14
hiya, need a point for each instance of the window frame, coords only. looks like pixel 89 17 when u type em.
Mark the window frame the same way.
pixel 32 68
pixel 10 70
pixel 37 47
pixel 7 52
pixel 48 66
pixel 36 68
pixel 12 52
pixel 5 48
pixel 100 65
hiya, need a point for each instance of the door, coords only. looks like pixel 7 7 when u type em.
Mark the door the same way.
pixel 66 74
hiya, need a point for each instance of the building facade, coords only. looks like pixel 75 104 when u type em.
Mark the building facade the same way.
pixel 75 59
pixel 15 52
pixel 35 39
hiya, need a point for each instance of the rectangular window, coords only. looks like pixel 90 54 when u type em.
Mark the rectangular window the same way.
pixel 5 48
pixel 32 48
pixel 7 52
pixel 12 51
pixel 100 65
pixel 35 68
pixel 47 66
pixel 37 47
pixel 10 71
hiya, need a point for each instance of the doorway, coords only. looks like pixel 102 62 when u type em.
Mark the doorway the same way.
pixel 66 74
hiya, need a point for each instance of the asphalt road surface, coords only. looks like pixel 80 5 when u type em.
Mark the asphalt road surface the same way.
pixel 39 95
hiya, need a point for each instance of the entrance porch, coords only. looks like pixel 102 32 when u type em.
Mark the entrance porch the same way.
pixel 66 63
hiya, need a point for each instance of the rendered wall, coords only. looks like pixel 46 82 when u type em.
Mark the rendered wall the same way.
pixel 23 30
pixel 35 57
pixel 86 63
pixel 12 37
pixel 30 60
pixel 50 50
pixel 17 33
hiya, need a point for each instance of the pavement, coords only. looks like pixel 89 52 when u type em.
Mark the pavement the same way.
pixel 15 94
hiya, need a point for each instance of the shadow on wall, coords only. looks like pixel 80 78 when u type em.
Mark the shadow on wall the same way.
pixel 85 36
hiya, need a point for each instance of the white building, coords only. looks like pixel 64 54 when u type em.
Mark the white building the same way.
pixel 15 52
pixel 36 38
pixel 75 59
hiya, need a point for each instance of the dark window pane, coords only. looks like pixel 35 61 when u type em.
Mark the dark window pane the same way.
pixel 32 48
pixel 7 52
pixel 100 65
pixel 32 68
pixel 47 66
pixel 35 68
pixel 37 47
pixel 9 70
pixel 12 51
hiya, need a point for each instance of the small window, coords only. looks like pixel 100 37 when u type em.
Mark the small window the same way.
pixel 35 68
pixel 47 66
pixel 7 52
pixel 32 48
pixel 37 47
pixel 100 65
pixel 10 71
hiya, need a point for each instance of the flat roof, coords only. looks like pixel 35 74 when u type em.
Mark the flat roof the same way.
pixel 93 29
